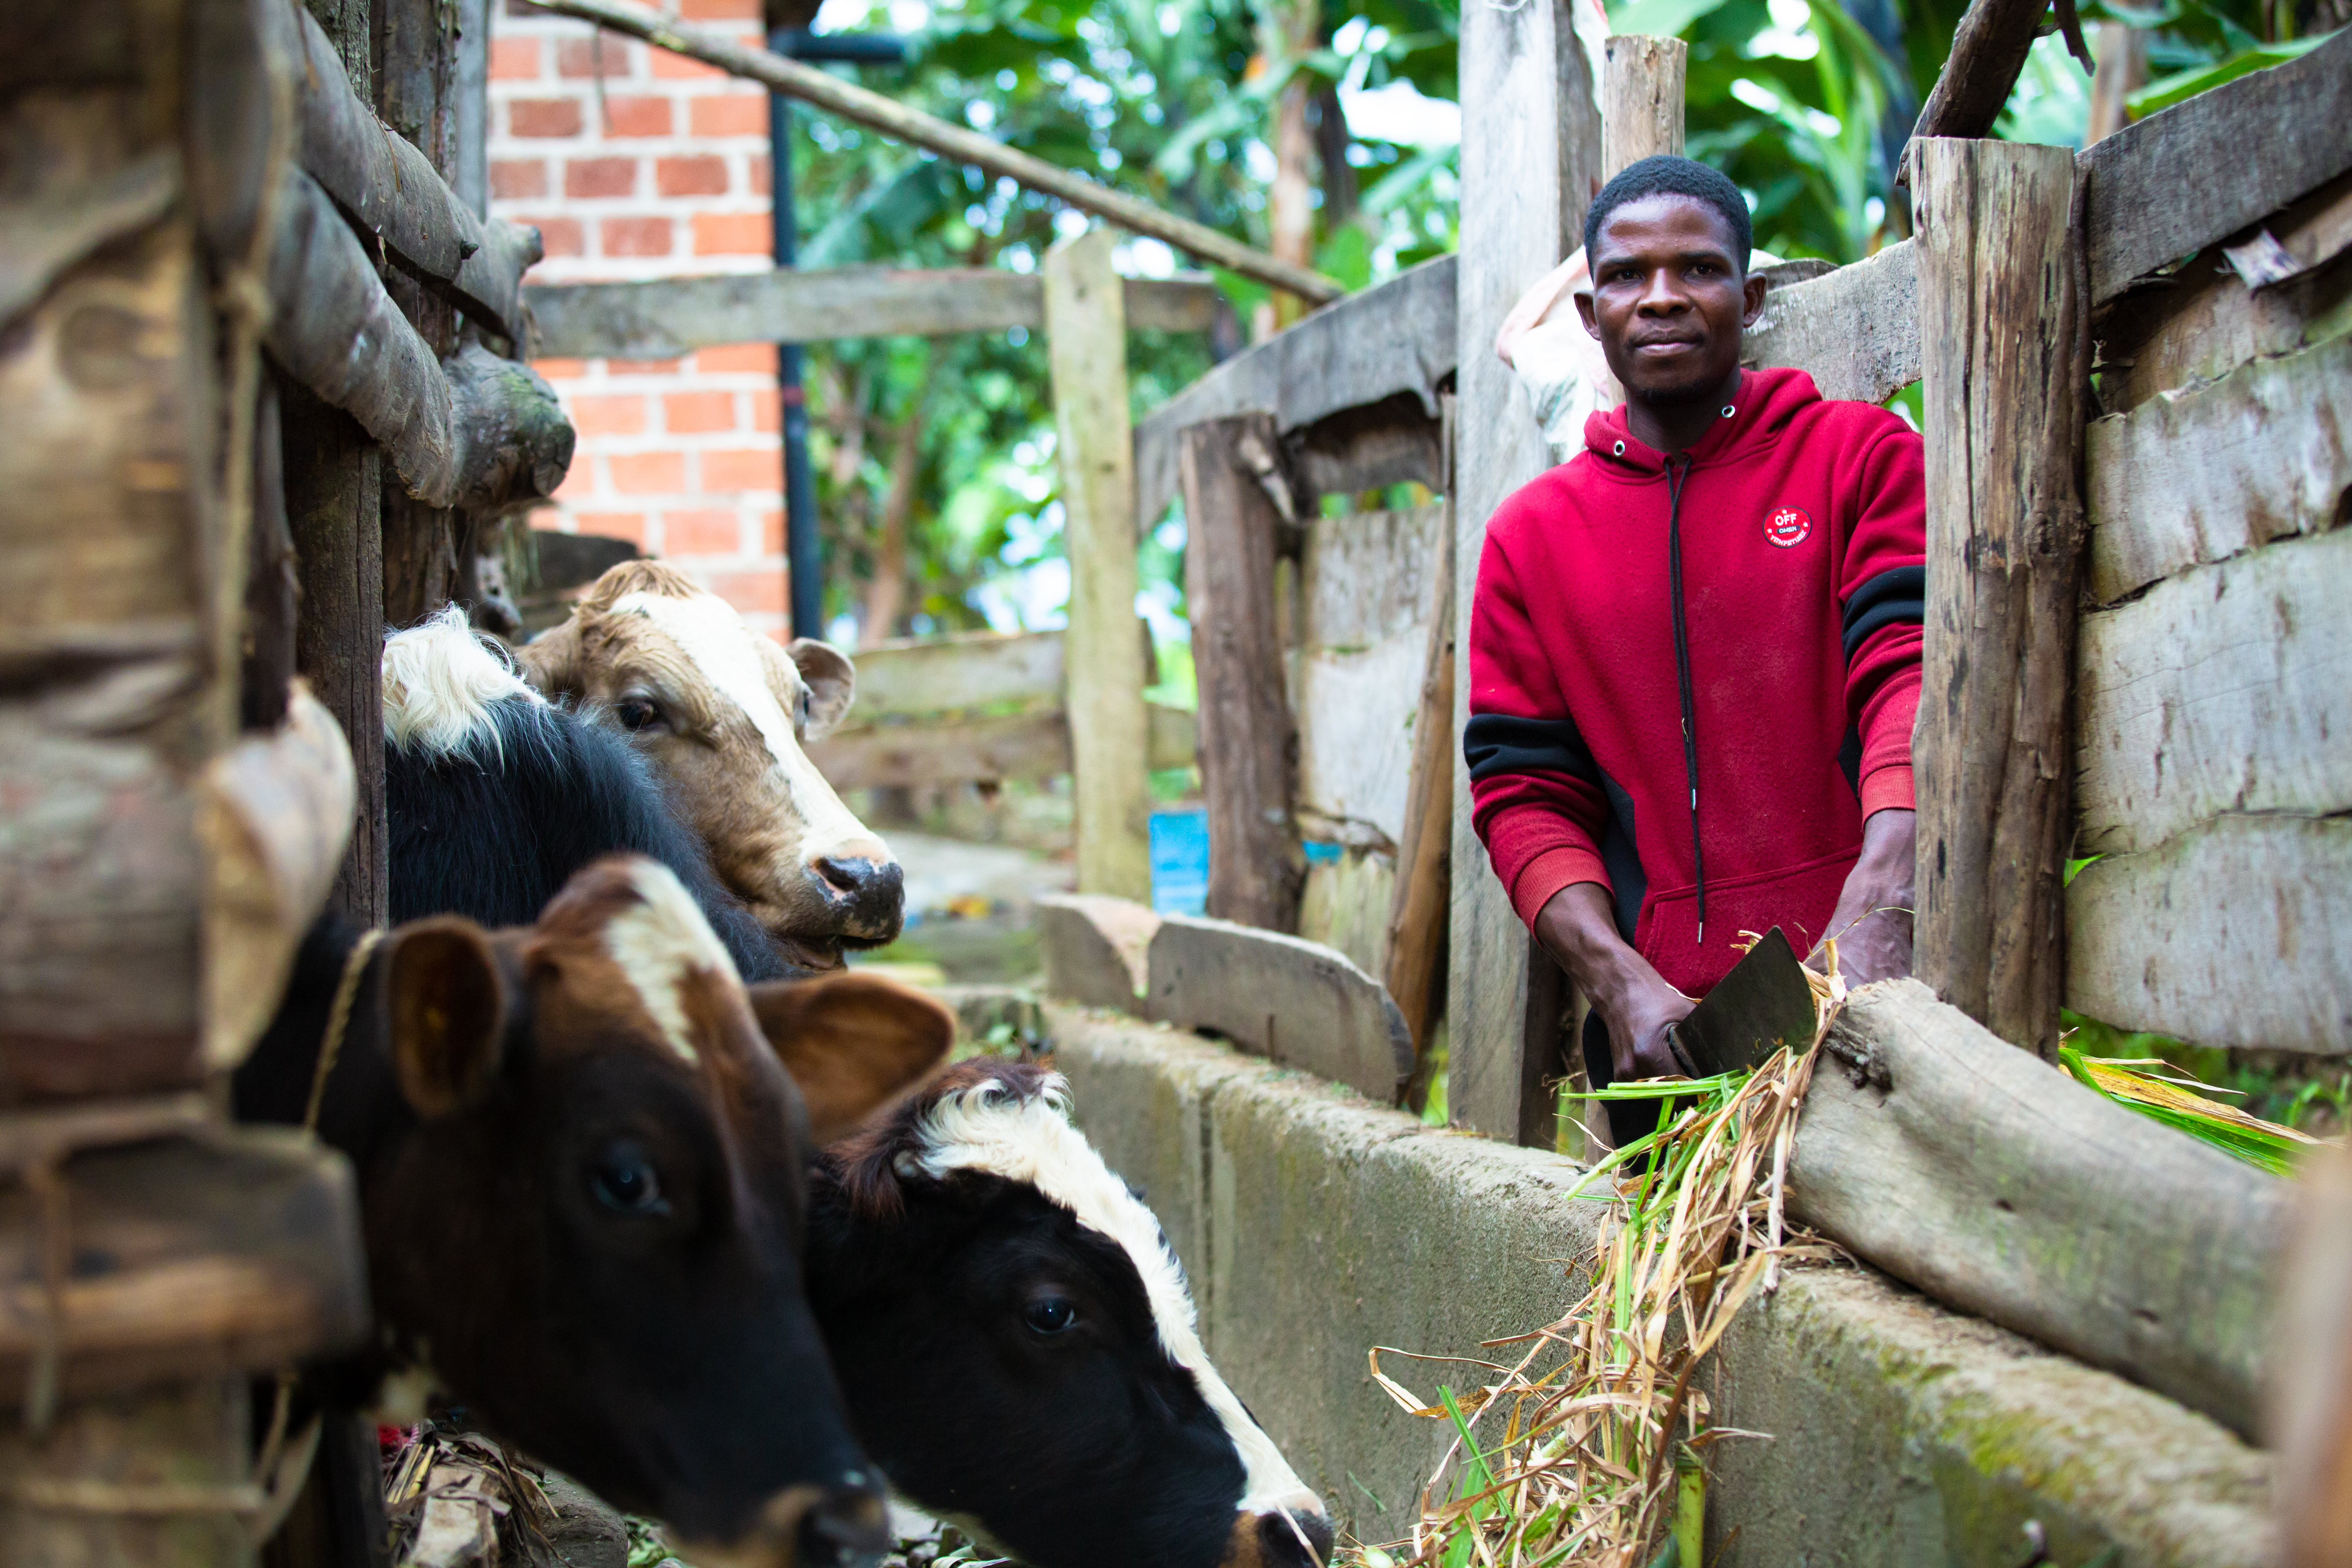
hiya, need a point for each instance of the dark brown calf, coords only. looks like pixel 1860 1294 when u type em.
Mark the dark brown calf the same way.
pixel 582 1172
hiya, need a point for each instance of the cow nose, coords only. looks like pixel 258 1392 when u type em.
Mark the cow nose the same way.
pixel 847 1528
pixel 1294 1538
pixel 867 892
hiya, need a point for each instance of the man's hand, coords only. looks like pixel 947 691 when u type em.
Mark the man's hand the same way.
pixel 1873 919
pixel 1634 1000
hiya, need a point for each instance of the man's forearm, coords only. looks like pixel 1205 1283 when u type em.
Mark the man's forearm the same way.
pixel 1579 929
pixel 1873 918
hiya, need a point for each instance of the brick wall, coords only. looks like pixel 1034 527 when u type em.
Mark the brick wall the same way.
pixel 664 173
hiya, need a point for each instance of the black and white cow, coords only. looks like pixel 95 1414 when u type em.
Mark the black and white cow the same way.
pixel 1018 1345
pixel 494 797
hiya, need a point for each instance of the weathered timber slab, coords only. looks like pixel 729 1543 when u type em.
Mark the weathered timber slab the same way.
pixel 1020 746
pixel 1994 1181
pixel 1855 330
pixel 2227 689
pixel 391 189
pixel 43 231
pixel 235 1253
pixel 678 315
pixel 1394 337
pixel 2205 474
pixel 941 675
pixel 2230 934
pixel 2254 145
pixel 1097 949
pixel 1297 1002
pixel 2205 323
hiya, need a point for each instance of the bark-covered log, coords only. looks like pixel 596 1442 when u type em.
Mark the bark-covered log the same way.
pixel 1996 1183
pixel 391 189
pixel 272 586
pixel 482 433
pixel 1989 50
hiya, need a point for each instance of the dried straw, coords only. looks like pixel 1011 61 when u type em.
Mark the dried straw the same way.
pixel 1588 1451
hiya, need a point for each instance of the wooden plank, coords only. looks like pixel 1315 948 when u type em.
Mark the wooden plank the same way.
pixel 2230 934
pixel 862 106
pixel 1640 99
pixel 1297 1002
pixel 1413 965
pixel 2226 689
pixel 1086 323
pixel 1096 950
pixel 2264 453
pixel 1530 152
pixel 1855 330
pixel 940 675
pixel 1247 741
pixel 1394 337
pixel 2002 328
pixel 964 751
pixel 1391 442
pixel 2205 323
pixel 672 316
pixel 1995 1183
pixel 2256 144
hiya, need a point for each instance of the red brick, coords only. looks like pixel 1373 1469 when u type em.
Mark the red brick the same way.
pixel 635 236
pixel 750 592
pixel 515 59
pixel 560 369
pixel 700 176
pixel 559 236
pixel 622 414
pixel 642 366
pixel 719 10
pixel 636 117
pixel 648 473
pixel 756 468
pixel 628 525
pixel 732 234
pixel 736 357
pixel 544 117
pixel 576 58
pixel 698 412
pixel 758 183
pixel 600 177
pixel 772 532
pixel 711 531
pixel 729 115
pixel 514 177
pixel 668 66
pixel 764 410
pixel 578 481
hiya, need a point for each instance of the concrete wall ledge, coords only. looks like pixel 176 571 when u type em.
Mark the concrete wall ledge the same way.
pixel 1314 1223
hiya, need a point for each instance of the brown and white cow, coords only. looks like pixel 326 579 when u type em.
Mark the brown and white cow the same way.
pixel 584 1169
pixel 721 712
pixel 1018 1346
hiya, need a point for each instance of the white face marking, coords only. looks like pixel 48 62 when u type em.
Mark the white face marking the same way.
pixel 715 640
pixel 440 681
pixel 984 1129
pixel 659 943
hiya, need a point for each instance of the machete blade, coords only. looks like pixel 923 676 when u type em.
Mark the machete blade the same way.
pixel 1763 1004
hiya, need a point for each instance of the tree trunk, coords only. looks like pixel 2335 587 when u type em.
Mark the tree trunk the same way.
pixel 886 592
pixel 1290 30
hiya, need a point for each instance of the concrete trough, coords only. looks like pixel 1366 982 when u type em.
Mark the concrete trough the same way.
pixel 1314 1225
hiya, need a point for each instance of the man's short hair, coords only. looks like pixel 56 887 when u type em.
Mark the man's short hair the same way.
pixel 1668 175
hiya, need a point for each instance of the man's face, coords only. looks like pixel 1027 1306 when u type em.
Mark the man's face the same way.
pixel 1669 299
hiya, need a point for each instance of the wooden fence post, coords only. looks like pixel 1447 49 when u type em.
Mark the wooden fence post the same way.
pixel 1640 100
pixel 1086 327
pixel 1249 745
pixel 2004 346
pixel 1530 148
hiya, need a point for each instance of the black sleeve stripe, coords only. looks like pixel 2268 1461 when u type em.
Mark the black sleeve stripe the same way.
pixel 1495 743
pixel 1895 597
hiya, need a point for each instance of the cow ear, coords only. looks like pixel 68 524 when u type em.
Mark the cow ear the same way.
pixel 551 661
pixel 852 1042
pixel 831 682
pixel 448 998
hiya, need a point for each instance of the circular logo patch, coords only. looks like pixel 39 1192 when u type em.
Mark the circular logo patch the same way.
pixel 1787 525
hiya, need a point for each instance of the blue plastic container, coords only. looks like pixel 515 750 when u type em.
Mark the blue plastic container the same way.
pixel 1179 860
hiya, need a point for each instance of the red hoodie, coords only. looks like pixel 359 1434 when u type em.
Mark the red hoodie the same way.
pixel 1757 596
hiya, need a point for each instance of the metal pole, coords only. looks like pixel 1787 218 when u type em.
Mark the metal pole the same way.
pixel 805 570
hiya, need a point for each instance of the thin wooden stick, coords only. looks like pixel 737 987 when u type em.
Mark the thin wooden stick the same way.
pixel 893 119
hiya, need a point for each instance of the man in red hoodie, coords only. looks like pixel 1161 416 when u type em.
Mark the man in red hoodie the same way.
pixel 1695 648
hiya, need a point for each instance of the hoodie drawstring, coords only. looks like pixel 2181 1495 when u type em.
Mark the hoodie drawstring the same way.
pixel 1674 478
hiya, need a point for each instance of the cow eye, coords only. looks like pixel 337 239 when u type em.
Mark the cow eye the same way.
pixel 637 713
pixel 1050 1315
pixel 624 1179
pixel 800 709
